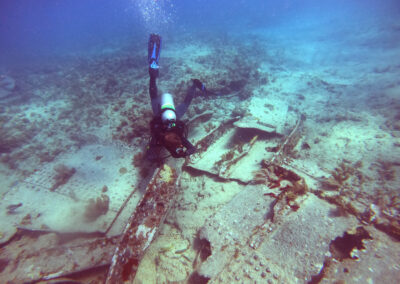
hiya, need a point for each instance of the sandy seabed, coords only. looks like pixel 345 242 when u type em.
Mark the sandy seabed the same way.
pixel 296 178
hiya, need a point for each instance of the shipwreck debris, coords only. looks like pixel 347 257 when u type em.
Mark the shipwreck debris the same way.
pixel 204 143
pixel 53 251
pixel 290 142
pixel 221 151
pixel 233 156
pixel 290 185
pixel 143 225
pixel 251 122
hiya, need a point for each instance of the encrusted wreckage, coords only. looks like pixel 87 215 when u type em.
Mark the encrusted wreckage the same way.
pixel 143 226
pixel 274 201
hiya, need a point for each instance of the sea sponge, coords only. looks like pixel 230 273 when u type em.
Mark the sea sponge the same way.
pixel 167 174
pixel 96 208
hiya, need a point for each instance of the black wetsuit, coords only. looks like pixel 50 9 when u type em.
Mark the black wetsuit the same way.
pixel 158 129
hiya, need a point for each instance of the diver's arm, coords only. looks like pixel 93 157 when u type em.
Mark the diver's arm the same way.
pixel 182 108
pixel 190 149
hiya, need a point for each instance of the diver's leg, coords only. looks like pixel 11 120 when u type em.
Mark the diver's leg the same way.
pixel 182 107
pixel 154 49
pixel 153 95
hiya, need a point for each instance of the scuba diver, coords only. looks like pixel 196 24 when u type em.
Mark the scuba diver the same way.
pixel 167 130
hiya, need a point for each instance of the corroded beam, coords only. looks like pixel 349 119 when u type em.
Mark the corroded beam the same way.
pixel 143 226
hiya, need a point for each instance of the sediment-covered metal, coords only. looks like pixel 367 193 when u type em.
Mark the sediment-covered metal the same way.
pixel 143 226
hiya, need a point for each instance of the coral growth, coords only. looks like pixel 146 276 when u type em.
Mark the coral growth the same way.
pixel 386 172
pixel 96 208
pixel 388 201
pixel 240 149
pixel 342 173
pixel 139 161
pixel 63 174
pixel 131 127
pixel 289 183
pixel 225 158
pixel 209 126
pixel 345 189
pixel 27 220
pixel 341 176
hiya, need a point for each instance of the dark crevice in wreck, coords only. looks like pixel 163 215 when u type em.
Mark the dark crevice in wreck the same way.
pixel 98 272
pixel 341 247
pixel 315 279
pixel 196 278
pixel 203 247
pixel 205 251
pixel 392 229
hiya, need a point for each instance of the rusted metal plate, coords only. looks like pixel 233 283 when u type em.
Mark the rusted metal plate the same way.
pixel 96 173
pixel 143 226
pixel 33 256
pixel 228 150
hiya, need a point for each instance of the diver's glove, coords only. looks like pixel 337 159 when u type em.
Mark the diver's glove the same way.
pixel 180 151
pixel 190 151
pixel 199 85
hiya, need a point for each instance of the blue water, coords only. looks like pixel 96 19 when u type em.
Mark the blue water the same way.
pixel 31 28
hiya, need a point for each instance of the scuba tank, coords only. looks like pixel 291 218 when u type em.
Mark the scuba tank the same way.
pixel 168 114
